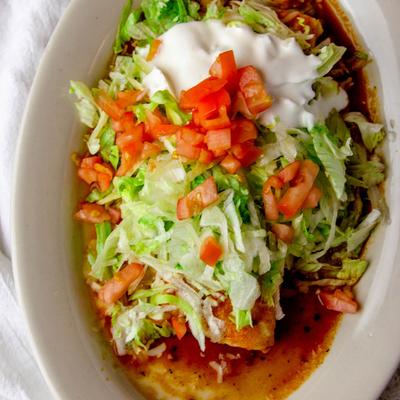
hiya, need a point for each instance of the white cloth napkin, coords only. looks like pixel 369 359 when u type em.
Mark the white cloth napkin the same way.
pixel 25 28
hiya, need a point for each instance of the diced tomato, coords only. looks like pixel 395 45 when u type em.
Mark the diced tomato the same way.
pixel 190 98
pixel 184 208
pixel 240 106
pixel 129 158
pixel 155 45
pixel 289 172
pixel 128 98
pixel 164 130
pixel 93 213
pixel 116 287
pixel 243 130
pixel 219 154
pixel 117 125
pixel 179 325
pixel 190 136
pixel 104 176
pixel 231 164
pixel 238 151
pixel 210 251
pixel 115 214
pixel 224 67
pixel 251 154
pixel 88 175
pixel 339 300
pixel 108 105
pixel 252 87
pixel 150 150
pixel 154 119
pixel 218 140
pixel 292 201
pixel 132 137
pixel 185 149
pixel 283 232
pixel 199 198
pixel 210 105
pixel 205 156
pixel 222 121
pixel 90 162
pixel 196 117
pixel 313 198
pixel 269 199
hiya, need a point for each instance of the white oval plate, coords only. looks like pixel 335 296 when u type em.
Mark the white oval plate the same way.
pixel 46 243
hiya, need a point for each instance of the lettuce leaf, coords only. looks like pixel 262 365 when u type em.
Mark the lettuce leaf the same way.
pixel 86 106
pixel 271 281
pixel 242 319
pixel 329 56
pixel 103 230
pixel 194 319
pixel 366 174
pixel 108 149
pixel 371 134
pixel 263 19
pixel 332 158
pixel 359 235
pixel 174 113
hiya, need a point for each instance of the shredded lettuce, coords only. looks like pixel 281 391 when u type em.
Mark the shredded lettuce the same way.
pixel 214 10
pixel 263 19
pixel 329 56
pixel 332 158
pixel 361 233
pixel 194 319
pixel 174 113
pixel 103 230
pixel 371 134
pixel 86 106
pixel 108 149
pixel 243 319
pixel 352 270
pixel 271 281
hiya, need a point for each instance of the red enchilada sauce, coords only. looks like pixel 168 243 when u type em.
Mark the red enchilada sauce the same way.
pixel 303 338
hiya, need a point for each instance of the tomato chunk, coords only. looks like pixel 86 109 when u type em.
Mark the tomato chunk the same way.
pixel 283 232
pixel 231 164
pixel 93 213
pixel 289 172
pixel 128 98
pixel 190 98
pixel 205 156
pixel 150 150
pixel 250 154
pixel 269 200
pixel 243 130
pixel 199 198
pixel 222 121
pixel 129 158
pixel 155 45
pixel 252 87
pixel 210 105
pixel 210 251
pixel 129 137
pixel 108 105
pixel 313 198
pixel 190 136
pixel 292 201
pixel 116 287
pixel 218 140
pixel 179 325
pixel 339 300
pixel 224 66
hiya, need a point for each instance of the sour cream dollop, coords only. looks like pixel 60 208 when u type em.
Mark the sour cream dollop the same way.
pixel 188 50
